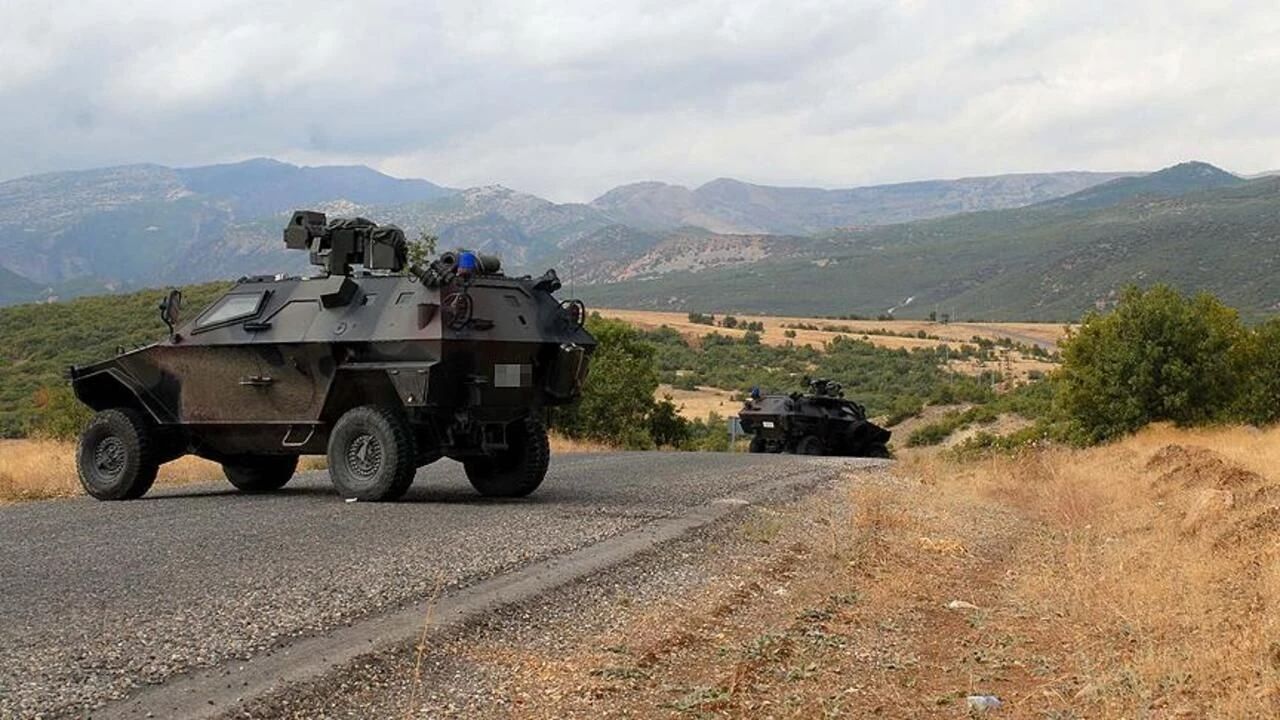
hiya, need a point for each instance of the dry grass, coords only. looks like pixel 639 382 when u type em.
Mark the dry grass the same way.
pixel 952 335
pixel 1157 581
pixel 37 469
pixel 698 404
pixel 562 444
pixel 1138 580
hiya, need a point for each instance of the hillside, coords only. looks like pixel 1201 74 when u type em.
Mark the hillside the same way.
pixel 732 206
pixel 65 234
pixel 38 342
pixel 1038 263
pixel 1172 181
pixel 75 232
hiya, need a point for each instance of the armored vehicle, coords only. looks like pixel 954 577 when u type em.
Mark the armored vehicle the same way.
pixel 384 368
pixel 821 422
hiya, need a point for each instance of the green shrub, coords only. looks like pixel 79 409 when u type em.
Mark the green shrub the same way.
pixel 1258 367
pixel 617 399
pixel 931 434
pixel 666 427
pixel 1158 356
pixel 59 414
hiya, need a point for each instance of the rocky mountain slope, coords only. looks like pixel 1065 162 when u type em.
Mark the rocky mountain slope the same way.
pixel 726 245
pixel 63 234
pixel 1047 262
pixel 731 206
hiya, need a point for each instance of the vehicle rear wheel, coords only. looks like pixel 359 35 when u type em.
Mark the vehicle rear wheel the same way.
pixel 516 471
pixel 260 473
pixel 810 445
pixel 371 454
pixel 116 459
pixel 757 445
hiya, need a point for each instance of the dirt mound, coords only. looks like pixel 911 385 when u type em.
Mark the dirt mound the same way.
pixel 1190 466
pixel 1208 508
pixel 1253 529
pixel 1234 504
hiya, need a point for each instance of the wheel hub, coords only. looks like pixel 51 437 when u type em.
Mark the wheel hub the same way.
pixel 108 457
pixel 364 456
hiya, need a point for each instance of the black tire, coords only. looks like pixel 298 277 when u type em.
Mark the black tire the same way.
pixel 260 473
pixel 116 459
pixel 757 445
pixel 519 469
pixel 810 445
pixel 371 454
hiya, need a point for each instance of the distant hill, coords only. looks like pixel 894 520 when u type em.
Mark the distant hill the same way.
pixel 145 224
pixel 732 206
pixel 67 234
pixel 262 186
pixel 38 342
pixel 1048 262
pixel 1172 181
pixel 15 288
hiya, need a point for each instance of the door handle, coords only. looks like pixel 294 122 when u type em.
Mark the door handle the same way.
pixel 256 381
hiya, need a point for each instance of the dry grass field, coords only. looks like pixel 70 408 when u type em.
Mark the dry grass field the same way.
pixel 698 404
pixel 953 335
pixel 40 469
pixel 1136 580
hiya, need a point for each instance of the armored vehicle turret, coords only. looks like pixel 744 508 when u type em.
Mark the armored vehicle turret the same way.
pixel 821 422
pixel 381 366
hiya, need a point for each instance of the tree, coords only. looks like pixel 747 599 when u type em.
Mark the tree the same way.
pixel 1157 356
pixel 666 427
pixel 617 399
pixel 59 414
pixel 1258 363
pixel 420 250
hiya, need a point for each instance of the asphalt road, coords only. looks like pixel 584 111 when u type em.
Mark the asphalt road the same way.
pixel 99 599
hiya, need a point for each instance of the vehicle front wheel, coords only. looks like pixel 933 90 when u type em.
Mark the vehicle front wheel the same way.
pixel 757 445
pixel 371 454
pixel 260 473
pixel 516 471
pixel 115 459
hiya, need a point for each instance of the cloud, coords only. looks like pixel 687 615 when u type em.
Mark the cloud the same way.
pixel 569 98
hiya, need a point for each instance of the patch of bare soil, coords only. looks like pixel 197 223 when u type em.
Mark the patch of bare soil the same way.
pixel 927 416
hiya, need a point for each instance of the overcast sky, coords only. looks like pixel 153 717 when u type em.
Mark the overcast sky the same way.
pixel 566 99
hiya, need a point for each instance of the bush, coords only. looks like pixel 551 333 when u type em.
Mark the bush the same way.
pixel 1158 356
pixel 1258 366
pixel 710 435
pixel 59 414
pixel 931 434
pixel 617 399
pixel 666 427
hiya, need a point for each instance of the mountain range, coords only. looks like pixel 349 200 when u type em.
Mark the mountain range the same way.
pixel 1191 225
pixel 1019 245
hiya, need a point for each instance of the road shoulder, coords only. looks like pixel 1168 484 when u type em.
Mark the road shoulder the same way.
pixel 834 603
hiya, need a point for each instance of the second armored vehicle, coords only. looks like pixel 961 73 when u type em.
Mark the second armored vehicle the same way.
pixel 822 422
pixel 383 369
